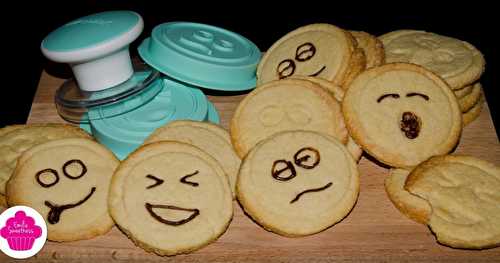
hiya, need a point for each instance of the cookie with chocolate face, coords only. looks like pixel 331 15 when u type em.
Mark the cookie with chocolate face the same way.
pixel 402 114
pixel 298 183
pixel 463 193
pixel 316 50
pixel 15 139
pixel 457 62
pixel 171 198
pixel 67 182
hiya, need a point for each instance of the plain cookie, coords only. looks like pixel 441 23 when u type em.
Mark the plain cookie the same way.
pixel 284 105
pixel 372 47
pixel 457 62
pixel 464 193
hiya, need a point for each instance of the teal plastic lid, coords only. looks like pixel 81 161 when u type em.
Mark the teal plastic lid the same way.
pixel 125 132
pixel 202 55
pixel 91 31
pixel 73 104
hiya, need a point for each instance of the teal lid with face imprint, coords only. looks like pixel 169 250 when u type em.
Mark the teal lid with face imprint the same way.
pixel 202 55
pixel 123 133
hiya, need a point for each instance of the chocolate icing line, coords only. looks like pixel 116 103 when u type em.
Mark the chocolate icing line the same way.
pixel 149 208
pixel 311 191
pixel 184 179
pixel 56 210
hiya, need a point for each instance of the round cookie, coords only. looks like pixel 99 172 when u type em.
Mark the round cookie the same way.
pixel 16 139
pixel 463 193
pixel 410 205
pixel 317 50
pixel 468 101
pixel 171 198
pixel 283 105
pixel 298 183
pixel 473 113
pixel 67 182
pixel 460 93
pixel 372 47
pixel 402 114
pixel 211 138
pixel 457 62
pixel 338 93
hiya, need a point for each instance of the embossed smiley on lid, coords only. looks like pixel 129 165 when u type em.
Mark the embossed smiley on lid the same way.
pixel 202 55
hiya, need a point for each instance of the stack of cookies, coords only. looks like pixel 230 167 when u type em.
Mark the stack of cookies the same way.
pixel 459 63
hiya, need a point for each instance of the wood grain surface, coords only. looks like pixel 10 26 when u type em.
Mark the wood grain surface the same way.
pixel 374 231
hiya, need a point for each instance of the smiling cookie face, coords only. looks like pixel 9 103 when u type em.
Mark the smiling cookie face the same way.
pixel 67 182
pixel 402 114
pixel 317 50
pixel 171 198
pixel 285 105
pixel 298 183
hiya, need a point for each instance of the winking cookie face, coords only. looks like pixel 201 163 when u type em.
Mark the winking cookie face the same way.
pixel 171 198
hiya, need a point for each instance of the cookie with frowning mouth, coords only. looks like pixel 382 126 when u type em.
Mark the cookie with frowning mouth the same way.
pixel 316 50
pixel 402 114
pixel 67 182
pixel 171 198
pixel 298 183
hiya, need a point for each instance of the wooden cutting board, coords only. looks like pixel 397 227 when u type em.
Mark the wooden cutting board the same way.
pixel 374 231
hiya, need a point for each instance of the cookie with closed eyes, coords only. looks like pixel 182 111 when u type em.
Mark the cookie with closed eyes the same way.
pixel 402 114
pixel 284 105
pixel 457 62
pixel 316 50
pixel 211 138
pixel 298 183
pixel 170 198
pixel 463 193
pixel 67 182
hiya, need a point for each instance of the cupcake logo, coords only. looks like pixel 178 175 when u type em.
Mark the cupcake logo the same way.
pixel 23 232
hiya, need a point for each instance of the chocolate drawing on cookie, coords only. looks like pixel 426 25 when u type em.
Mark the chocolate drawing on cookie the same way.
pixel 319 189
pixel 185 181
pixel 410 125
pixel 304 52
pixel 276 173
pixel 56 210
pixel 389 95
pixel 412 94
pixel 303 160
pixel 150 207
pixel 55 177
pixel 70 162
pixel 157 180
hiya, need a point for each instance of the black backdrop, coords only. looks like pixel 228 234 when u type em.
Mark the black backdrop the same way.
pixel 25 24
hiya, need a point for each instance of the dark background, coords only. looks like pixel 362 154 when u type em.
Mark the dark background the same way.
pixel 25 24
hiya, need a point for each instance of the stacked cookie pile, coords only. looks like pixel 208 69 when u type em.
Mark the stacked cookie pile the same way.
pixel 324 96
pixel 459 63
